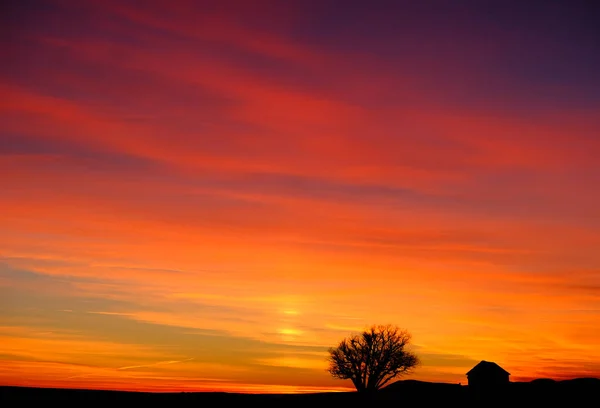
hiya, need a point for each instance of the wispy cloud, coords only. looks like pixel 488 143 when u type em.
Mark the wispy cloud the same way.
pixel 155 364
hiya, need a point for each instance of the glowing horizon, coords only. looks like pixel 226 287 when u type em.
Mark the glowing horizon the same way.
pixel 207 195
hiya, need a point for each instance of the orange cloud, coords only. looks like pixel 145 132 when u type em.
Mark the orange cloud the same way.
pixel 208 199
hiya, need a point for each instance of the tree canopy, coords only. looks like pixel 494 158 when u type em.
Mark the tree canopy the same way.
pixel 373 358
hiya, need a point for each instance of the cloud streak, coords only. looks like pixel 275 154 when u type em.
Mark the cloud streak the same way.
pixel 155 364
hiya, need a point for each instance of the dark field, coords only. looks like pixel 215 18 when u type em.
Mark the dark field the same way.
pixel 581 392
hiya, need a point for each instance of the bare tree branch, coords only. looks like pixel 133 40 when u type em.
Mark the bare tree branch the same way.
pixel 373 358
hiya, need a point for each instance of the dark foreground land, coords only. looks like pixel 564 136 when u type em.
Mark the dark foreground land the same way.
pixel 581 392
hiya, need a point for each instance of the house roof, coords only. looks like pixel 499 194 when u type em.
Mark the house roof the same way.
pixel 486 367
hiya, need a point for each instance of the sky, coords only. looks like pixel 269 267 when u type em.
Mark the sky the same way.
pixel 207 195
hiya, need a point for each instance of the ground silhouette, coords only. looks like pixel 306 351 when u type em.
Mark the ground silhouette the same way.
pixel 572 393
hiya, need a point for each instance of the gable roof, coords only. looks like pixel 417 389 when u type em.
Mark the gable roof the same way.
pixel 486 367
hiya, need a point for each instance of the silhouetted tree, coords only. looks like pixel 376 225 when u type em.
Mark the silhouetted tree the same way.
pixel 373 358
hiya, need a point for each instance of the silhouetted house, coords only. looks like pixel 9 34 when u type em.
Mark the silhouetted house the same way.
pixel 487 376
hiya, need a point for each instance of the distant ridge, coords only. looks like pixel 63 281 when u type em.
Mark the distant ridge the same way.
pixel 584 381
pixel 406 384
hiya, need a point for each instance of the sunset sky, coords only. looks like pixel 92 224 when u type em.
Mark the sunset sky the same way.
pixel 206 195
